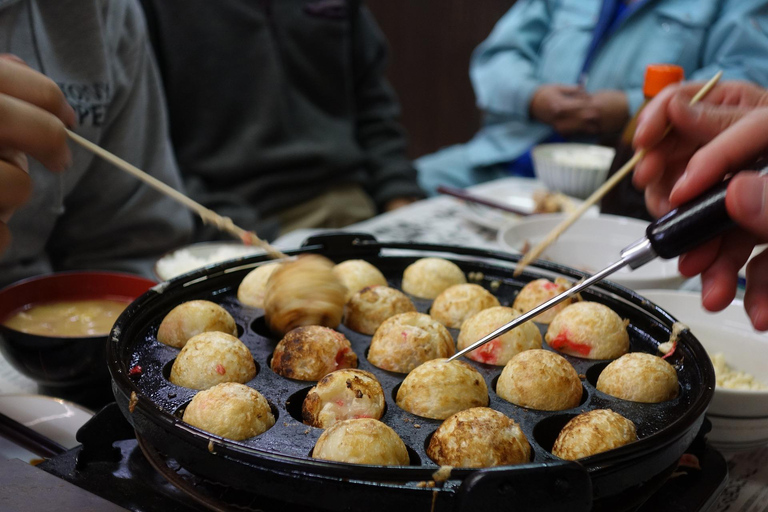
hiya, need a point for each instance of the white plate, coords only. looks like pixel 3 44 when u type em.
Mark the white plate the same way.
pixel 514 192
pixel 192 257
pixel 591 244
pixel 58 420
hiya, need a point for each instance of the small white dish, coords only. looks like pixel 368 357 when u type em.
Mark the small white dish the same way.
pixel 189 258
pixel 514 192
pixel 739 417
pixel 56 419
pixel 572 168
pixel 591 244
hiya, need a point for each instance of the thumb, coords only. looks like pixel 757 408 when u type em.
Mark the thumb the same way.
pixel 703 121
pixel 747 202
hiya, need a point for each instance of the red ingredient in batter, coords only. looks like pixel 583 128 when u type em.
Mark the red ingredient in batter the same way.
pixel 562 341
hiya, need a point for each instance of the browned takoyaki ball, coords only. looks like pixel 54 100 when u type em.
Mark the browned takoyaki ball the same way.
pixel 539 291
pixel 191 318
pixel 428 277
pixel 230 410
pixel 343 395
pixel 304 292
pixel 254 285
pixel 590 330
pixel 311 352
pixel 358 274
pixel 459 302
pixel 639 377
pixel 438 388
pixel 501 349
pixel 593 432
pixel 369 307
pixel 361 441
pixel 477 438
pixel 211 358
pixel 406 340
pixel 540 379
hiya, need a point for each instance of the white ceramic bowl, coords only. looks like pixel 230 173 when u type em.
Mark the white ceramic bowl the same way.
pixel 189 258
pixel 574 169
pixel 739 417
pixel 591 244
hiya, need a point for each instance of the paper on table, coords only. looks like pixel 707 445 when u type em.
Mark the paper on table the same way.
pixel 747 487
pixel 12 381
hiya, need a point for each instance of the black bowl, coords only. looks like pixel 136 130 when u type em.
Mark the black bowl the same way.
pixel 63 364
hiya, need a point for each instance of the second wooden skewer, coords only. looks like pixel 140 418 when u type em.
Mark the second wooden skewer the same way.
pixel 600 192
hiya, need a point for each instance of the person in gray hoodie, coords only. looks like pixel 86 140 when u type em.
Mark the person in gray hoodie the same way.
pixel 102 82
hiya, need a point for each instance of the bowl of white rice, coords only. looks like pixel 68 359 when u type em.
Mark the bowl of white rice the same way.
pixel 195 256
pixel 739 408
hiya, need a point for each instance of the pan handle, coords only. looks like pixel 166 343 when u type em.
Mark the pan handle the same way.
pixel 550 487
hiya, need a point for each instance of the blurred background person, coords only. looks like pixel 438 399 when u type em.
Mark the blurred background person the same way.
pixel 724 133
pixel 97 58
pixel 573 70
pixel 293 125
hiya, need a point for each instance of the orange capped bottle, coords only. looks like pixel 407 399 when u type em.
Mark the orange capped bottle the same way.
pixel 624 198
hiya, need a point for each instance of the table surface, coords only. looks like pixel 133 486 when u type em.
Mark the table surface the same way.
pixel 446 220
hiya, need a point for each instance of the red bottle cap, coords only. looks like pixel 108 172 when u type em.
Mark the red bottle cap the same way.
pixel 658 76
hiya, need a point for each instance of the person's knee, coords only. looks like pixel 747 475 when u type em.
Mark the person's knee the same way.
pixel 446 167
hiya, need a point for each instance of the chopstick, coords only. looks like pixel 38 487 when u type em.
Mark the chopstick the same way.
pixel 466 196
pixel 28 439
pixel 208 216
pixel 600 192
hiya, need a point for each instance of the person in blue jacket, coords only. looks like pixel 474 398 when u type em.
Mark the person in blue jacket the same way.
pixel 554 70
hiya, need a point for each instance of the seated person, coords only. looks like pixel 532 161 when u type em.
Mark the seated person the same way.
pixel 91 215
pixel 294 124
pixel 575 72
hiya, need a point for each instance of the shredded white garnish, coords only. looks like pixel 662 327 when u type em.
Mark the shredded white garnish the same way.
pixel 729 378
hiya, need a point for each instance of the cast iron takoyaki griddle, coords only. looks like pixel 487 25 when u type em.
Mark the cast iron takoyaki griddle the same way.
pixel 278 462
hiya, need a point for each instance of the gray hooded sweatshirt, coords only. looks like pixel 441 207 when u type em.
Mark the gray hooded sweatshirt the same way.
pixel 94 216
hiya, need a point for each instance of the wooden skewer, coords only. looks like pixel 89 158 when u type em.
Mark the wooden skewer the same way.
pixel 600 192
pixel 208 216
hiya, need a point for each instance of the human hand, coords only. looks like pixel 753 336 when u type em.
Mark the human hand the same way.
pixel 567 108
pixel 720 135
pixel 33 113
pixel 613 110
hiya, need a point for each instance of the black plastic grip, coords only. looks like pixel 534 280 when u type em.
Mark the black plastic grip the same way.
pixel 691 224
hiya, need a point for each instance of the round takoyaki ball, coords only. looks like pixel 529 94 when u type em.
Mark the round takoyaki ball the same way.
pixel 478 438
pixel 361 441
pixel 404 341
pixel 639 377
pixel 459 302
pixel 304 292
pixel 438 388
pixel 343 395
pixel 191 318
pixel 312 352
pixel 501 349
pixel 357 274
pixel 590 330
pixel 539 291
pixel 369 307
pixel 593 432
pixel 540 379
pixel 254 285
pixel 429 277
pixel 230 410
pixel 211 358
